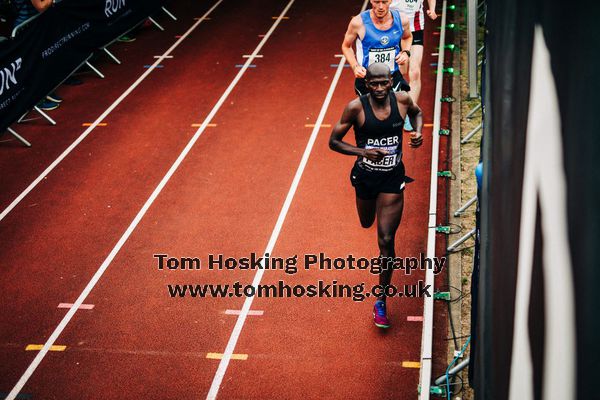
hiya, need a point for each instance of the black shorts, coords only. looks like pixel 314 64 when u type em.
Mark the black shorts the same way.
pixel 368 184
pixel 418 38
pixel 398 84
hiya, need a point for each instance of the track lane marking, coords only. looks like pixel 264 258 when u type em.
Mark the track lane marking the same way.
pixel 102 117
pixel 105 264
pixel 251 312
pixel 219 356
pixel 237 329
pixel 36 347
pixel 81 307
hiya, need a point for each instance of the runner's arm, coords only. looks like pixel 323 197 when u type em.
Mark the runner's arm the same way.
pixel 405 41
pixel 347 50
pixel 416 118
pixel 341 129
pixel 431 11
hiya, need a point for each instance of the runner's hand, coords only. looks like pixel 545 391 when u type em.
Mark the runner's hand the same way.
pixel 375 154
pixel 360 71
pixel 432 14
pixel 416 139
pixel 401 58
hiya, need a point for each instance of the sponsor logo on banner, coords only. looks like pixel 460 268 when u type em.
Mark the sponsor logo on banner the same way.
pixel 8 75
pixel 112 6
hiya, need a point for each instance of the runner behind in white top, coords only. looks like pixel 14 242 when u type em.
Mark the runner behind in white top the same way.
pixel 413 10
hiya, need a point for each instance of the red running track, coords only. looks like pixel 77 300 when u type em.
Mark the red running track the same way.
pixel 225 198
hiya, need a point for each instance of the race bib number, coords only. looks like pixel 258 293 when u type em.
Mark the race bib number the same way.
pixel 385 56
pixel 388 161
pixel 411 6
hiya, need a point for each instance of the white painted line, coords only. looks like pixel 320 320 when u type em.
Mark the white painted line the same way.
pixel 427 332
pixel 251 312
pixel 163 56
pixel 250 55
pixel 239 324
pixel 100 118
pixel 339 56
pixel 113 253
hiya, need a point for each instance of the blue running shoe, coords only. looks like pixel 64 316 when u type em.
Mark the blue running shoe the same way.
pixel 379 315
pixel 54 97
pixel 47 105
pixel 407 126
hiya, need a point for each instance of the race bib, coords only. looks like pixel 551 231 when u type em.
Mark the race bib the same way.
pixel 385 56
pixel 406 6
pixel 388 161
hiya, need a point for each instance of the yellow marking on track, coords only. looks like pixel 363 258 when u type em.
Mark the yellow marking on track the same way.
pixel 219 356
pixel 90 124
pixel 411 364
pixel 313 125
pixel 33 347
pixel 208 125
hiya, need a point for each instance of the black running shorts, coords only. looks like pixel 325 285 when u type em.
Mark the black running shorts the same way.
pixel 368 184
pixel 418 38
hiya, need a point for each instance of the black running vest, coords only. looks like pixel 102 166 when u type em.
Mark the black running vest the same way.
pixel 385 135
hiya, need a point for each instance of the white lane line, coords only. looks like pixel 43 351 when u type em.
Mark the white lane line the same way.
pixel 251 312
pixel 84 294
pixel 102 117
pixel 239 324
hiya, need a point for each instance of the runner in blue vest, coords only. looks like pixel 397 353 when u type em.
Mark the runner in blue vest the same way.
pixel 381 35
pixel 378 173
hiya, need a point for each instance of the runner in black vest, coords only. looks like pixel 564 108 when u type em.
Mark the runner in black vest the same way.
pixel 378 174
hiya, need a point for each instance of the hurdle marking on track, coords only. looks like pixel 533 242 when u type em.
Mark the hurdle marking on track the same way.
pixel 163 56
pixel 91 123
pixel 280 17
pixel 411 364
pixel 81 307
pixel 335 65
pixel 247 66
pixel 251 312
pixel 207 125
pixel 427 125
pixel 219 356
pixel 321 126
pixel 153 66
pixel 202 19
pixel 37 347
pixel 414 318
pixel 250 56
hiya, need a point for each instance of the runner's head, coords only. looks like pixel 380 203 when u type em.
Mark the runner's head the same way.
pixel 378 80
pixel 380 7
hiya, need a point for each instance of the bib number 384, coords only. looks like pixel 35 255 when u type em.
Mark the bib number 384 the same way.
pixel 385 56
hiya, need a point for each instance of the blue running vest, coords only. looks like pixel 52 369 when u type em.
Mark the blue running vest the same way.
pixel 379 46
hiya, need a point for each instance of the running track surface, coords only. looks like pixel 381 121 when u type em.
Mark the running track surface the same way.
pixel 225 198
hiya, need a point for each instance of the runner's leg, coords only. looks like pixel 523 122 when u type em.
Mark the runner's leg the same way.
pixel 389 214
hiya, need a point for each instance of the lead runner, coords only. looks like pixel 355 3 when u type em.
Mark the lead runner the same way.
pixel 378 173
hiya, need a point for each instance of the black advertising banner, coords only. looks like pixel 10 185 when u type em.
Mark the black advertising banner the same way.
pixel 46 52
pixel 514 28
